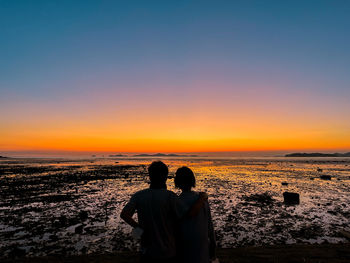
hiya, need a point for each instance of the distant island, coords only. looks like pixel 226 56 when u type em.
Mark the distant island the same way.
pixel 318 155
pixel 163 155
pixel 3 157
pixel 117 155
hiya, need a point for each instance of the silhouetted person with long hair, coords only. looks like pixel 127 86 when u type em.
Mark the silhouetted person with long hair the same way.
pixel 196 238
pixel 159 212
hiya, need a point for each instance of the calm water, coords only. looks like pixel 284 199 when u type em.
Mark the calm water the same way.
pixel 43 211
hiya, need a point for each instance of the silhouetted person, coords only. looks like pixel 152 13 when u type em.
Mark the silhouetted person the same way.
pixel 196 238
pixel 159 211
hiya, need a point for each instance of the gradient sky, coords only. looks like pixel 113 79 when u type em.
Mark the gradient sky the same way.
pixel 174 76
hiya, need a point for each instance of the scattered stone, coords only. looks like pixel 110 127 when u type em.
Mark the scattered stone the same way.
pixel 83 215
pixel 319 170
pixel 325 177
pixel 53 238
pixel 63 220
pixel 291 198
pixel 284 183
pixel 79 229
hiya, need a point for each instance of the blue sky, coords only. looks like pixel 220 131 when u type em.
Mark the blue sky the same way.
pixel 58 50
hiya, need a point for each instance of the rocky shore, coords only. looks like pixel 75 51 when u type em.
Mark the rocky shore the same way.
pixel 71 207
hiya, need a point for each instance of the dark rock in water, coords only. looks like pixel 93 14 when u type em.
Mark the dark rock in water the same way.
pixel 79 229
pixel 73 221
pixel 284 183
pixel 53 238
pixel 83 215
pixel 60 222
pixel 325 177
pixel 319 170
pixel 56 224
pixel 291 198
pixel 63 220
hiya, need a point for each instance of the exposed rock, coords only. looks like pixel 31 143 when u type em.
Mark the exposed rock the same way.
pixel 83 215
pixel 63 220
pixel 79 229
pixel 53 238
pixel 291 198
pixel 325 177
pixel 284 183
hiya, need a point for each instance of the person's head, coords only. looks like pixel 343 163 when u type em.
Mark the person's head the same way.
pixel 184 178
pixel 158 173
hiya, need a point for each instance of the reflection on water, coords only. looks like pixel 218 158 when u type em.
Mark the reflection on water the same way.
pixel 57 206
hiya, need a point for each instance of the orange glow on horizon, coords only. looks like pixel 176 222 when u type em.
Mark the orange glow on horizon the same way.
pixel 205 122
pixel 191 139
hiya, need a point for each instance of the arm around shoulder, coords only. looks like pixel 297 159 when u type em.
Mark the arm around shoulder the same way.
pixel 198 205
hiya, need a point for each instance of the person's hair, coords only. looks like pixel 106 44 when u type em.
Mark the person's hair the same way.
pixel 158 172
pixel 184 178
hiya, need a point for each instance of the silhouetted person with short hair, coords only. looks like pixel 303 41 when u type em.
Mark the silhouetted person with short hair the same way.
pixel 159 212
pixel 196 236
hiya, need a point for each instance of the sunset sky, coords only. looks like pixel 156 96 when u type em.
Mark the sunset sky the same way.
pixel 174 76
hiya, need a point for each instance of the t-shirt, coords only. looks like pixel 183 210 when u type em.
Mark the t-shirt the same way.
pixel 158 211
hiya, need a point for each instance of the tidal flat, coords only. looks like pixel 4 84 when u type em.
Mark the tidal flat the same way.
pixel 71 206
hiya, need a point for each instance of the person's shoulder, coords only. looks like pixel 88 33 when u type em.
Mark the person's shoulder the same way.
pixel 195 193
pixel 141 192
pixel 171 193
pixel 172 196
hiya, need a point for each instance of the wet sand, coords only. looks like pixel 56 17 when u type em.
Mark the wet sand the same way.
pixel 327 253
pixel 65 207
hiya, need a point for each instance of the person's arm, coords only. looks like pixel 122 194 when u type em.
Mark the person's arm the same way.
pixel 128 211
pixel 197 206
pixel 127 214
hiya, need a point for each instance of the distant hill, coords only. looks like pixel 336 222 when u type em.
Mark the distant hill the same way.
pixel 163 155
pixel 318 155
pixel 117 155
pixel 3 157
